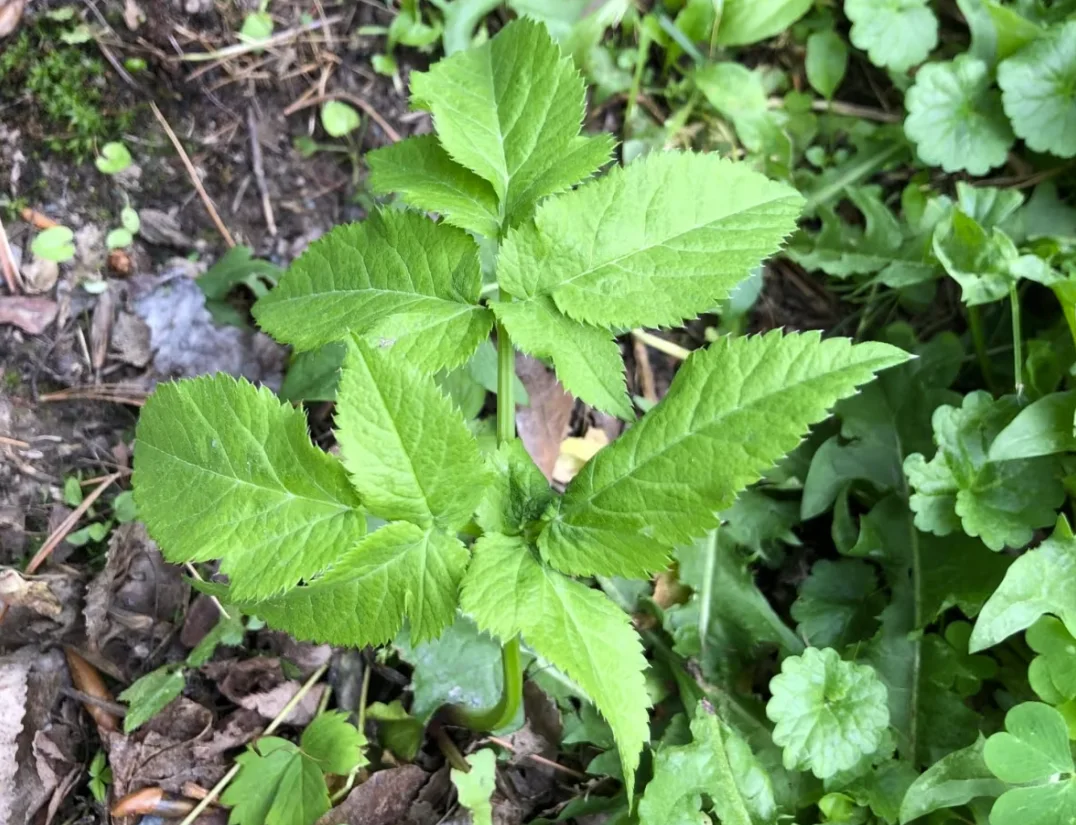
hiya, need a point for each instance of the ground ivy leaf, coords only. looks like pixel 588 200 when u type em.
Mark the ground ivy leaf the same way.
pixel 717 763
pixel 1038 86
pixel 408 451
pixel 519 494
pixel 475 787
pixel 461 667
pixel 952 781
pixel 508 592
pixel 955 118
pixel 333 743
pixel 276 785
pixel 732 410
pixel 838 603
pixel 226 471
pixel 398 570
pixel 829 714
pixel 511 110
pixel 397 278
pixel 646 244
pixel 423 174
pixel 1041 581
pixel 586 358
pixel 895 34
pixel 149 695
pixel 1004 502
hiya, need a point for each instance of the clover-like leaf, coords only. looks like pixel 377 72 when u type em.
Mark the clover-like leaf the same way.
pixel 895 34
pixel 1038 86
pixel 339 118
pixel 1034 751
pixel 829 714
pixel 114 158
pixel 1052 673
pixel 57 243
pixel 955 117
pixel 1003 502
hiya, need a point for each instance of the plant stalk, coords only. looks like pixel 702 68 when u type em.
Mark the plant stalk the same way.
pixel 978 337
pixel 1017 343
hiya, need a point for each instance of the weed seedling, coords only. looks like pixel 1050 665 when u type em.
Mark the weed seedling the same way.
pixel 225 470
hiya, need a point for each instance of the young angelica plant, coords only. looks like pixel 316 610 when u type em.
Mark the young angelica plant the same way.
pixel 225 471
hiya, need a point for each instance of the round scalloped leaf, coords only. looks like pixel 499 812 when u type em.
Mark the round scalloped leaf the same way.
pixel 895 34
pixel 1038 86
pixel 955 119
pixel 829 713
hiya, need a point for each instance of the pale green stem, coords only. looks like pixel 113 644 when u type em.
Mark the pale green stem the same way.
pixel 978 337
pixel 660 344
pixel 1017 343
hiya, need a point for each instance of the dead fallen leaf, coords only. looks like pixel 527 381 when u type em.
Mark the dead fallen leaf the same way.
pixel 131 603
pixel 575 452
pixel 42 608
pixel 162 229
pixel 40 275
pixel 133 16
pixel 259 684
pixel 131 340
pixel 10 13
pixel 544 424
pixel 13 687
pixel 101 327
pixel 31 592
pixel 31 315
pixel 383 799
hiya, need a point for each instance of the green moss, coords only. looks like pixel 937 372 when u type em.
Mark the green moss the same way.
pixel 64 88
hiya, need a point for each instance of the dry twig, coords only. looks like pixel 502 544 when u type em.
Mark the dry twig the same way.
pixel 258 163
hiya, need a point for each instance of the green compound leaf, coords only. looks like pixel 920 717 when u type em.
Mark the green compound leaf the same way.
pixel 717 763
pixel 652 243
pixel 952 781
pixel 1003 502
pixel 397 278
pixel 511 110
pixel 475 787
pixel 829 714
pixel 276 785
pixel 226 471
pixel 149 695
pixel 408 450
pixel 838 603
pixel 1038 86
pixel 895 34
pixel 334 743
pixel 399 570
pixel 508 592
pixel 427 178
pixel 1041 581
pixel 955 118
pixel 731 412
pixel 586 358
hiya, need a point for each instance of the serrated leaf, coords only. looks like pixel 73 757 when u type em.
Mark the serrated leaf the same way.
pixel 276 785
pixel 952 781
pixel 519 494
pixel 663 239
pixel 398 279
pixel 1002 503
pixel 896 34
pixel 881 246
pixel 508 592
pixel 1045 427
pixel 475 787
pixel 313 375
pixel 227 631
pixel 511 110
pixel 1041 581
pixel 226 471
pixel 955 118
pixel 407 449
pixel 730 413
pixel 461 667
pixel 333 743
pixel 586 358
pixel 1038 86
pixel 397 571
pixel 149 695
pixel 826 61
pixel 424 175
pixel 829 714
pixel 719 764
pixel 838 603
